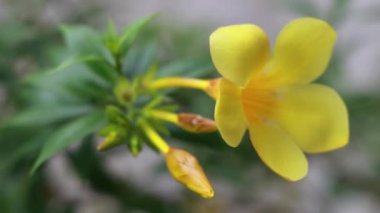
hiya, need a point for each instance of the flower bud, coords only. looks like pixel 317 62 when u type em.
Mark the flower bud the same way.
pixel 185 168
pixel 196 123
pixel 134 145
pixel 123 91
pixel 115 115
pixel 112 140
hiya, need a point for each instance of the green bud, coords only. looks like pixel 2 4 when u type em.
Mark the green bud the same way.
pixel 115 115
pixel 135 145
pixel 123 91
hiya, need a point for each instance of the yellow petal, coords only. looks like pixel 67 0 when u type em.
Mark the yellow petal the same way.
pixel 229 116
pixel 238 51
pixel 315 117
pixel 303 50
pixel 278 151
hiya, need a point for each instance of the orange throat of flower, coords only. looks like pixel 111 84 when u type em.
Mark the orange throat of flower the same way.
pixel 259 100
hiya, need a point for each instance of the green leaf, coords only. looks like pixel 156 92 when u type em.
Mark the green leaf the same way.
pixel 111 30
pixel 159 126
pixel 140 59
pixel 85 42
pixel 22 149
pixel 20 143
pixel 115 115
pixel 129 35
pixel 73 61
pixel 68 134
pixel 103 69
pixel 111 38
pixel 43 115
pixel 90 91
pixel 60 87
pixel 81 39
pixel 187 68
pixel 159 99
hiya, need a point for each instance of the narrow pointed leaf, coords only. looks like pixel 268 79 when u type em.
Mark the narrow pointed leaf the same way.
pixel 67 135
pixel 38 115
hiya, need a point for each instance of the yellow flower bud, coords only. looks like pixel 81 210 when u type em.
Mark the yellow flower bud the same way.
pixel 112 140
pixel 185 168
pixel 196 123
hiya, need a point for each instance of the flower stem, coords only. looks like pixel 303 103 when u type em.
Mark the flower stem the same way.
pixel 155 138
pixel 168 82
pixel 166 116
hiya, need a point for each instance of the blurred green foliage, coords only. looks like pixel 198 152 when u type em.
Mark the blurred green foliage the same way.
pixel 65 105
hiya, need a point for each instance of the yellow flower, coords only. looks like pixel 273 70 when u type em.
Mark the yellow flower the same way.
pixel 273 96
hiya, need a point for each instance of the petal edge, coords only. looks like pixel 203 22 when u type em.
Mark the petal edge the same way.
pixel 315 116
pixel 302 50
pixel 278 151
pixel 238 51
pixel 229 115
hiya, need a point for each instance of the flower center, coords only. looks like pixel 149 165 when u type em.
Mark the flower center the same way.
pixel 259 99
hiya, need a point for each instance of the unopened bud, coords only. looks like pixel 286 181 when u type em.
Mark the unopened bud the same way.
pixel 123 91
pixel 196 123
pixel 213 88
pixel 115 115
pixel 185 168
pixel 112 140
pixel 134 145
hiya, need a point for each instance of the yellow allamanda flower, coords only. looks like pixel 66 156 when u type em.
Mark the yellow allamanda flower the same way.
pixel 272 94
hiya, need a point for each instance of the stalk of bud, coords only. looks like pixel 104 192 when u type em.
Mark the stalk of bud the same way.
pixel 213 88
